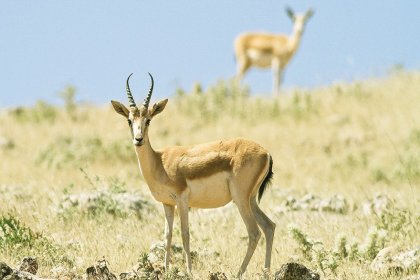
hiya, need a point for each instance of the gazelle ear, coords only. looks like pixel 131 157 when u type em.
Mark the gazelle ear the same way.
pixel 309 13
pixel 120 108
pixel 290 13
pixel 157 107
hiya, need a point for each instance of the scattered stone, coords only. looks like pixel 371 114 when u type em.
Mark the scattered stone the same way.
pixel 335 204
pixel 217 276
pixel 99 271
pixel 390 260
pixel 384 262
pixel 295 271
pixel 377 205
pixel 29 264
pixel 132 275
pixel 60 272
pixel 27 270
pixel 113 203
pixel 409 259
pixel 21 275
pixel 4 270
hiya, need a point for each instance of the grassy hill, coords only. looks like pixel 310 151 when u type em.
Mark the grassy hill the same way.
pixel 355 139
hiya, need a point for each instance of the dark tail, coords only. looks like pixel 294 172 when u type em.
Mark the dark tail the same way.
pixel 267 180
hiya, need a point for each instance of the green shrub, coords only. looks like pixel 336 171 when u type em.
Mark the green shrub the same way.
pixel 222 98
pixel 314 251
pixel 42 111
pixel 375 241
pixel 174 273
pixel 13 233
pixel 20 240
pixel 409 159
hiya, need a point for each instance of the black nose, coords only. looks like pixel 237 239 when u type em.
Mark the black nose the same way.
pixel 139 139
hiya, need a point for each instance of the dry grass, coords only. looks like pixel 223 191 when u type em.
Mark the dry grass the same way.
pixel 353 139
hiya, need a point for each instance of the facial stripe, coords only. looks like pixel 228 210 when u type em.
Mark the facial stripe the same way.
pixel 130 124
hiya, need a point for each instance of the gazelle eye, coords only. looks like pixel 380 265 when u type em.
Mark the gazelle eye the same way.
pixel 147 122
pixel 129 122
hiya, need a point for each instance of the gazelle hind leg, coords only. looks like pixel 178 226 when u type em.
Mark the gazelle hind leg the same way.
pixel 169 215
pixel 254 233
pixel 268 227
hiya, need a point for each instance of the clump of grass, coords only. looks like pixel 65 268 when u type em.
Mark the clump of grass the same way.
pixel 328 260
pixel 406 167
pixel 302 105
pixel 41 112
pixel 74 152
pixel 145 269
pixel 108 199
pixel 223 98
pixel 19 241
pixel 72 108
pixel 375 241
pixel 174 273
pixel 305 244
pixel 399 223
pixel 340 247
pixel 13 233
pixel 409 159
pixel 314 251
pixel 391 224
pixel 228 99
pixel 68 95
pixel 354 252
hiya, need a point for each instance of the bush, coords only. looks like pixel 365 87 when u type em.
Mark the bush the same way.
pixel 20 240
pixel 41 112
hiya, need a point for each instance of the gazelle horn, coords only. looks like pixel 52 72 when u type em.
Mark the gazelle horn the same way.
pixel 129 95
pixel 147 99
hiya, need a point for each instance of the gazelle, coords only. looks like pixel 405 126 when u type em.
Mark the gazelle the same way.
pixel 208 175
pixel 266 50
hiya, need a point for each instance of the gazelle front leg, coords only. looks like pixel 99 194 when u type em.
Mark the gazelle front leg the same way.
pixel 242 67
pixel 169 215
pixel 182 205
pixel 277 76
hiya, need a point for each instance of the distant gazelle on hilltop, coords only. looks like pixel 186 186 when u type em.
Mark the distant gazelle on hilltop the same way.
pixel 208 175
pixel 265 50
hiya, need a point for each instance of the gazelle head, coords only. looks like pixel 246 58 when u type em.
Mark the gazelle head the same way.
pixel 139 117
pixel 299 20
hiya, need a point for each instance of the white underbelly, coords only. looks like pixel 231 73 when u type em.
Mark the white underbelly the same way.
pixel 258 58
pixel 209 192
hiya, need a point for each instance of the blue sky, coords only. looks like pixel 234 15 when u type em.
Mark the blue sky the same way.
pixel 94 45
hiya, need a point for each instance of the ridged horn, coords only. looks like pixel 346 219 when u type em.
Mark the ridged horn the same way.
pixel 147 99
pixel 131 102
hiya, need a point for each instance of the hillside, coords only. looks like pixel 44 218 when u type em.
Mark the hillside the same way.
pixel 349 140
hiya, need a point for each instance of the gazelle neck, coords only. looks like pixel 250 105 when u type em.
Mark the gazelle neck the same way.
pixel 149 161
pixel 294 39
